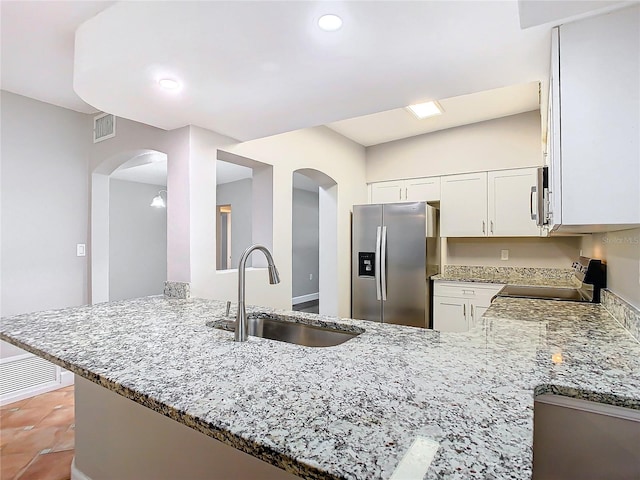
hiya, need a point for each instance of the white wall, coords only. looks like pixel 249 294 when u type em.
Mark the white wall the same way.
pixel 44 151
pixel 105 157
pixel 509 142
pixel 305 242
pixel 555 252
pixel 621 251
pixel 137 241
pixel 316 148
pixel 238 195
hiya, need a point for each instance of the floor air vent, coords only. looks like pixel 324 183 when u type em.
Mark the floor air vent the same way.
pixel 104 126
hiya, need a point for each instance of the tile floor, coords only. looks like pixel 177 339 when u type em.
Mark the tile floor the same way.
pixel 37 437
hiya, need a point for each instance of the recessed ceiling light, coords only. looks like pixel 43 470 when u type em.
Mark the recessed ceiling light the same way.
pixel 169 83
pixel 330 23
pixel 424 110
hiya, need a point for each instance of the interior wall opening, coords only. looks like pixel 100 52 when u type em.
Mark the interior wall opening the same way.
pixel 234 199
pixel 315 242
pixel 129 226
pixel 305 243
pixel 245 186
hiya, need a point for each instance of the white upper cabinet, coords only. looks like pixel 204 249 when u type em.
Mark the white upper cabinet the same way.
pixel 595 96
pixel 423 189
pixel 510 203
pixel 412 190
pixel 463 205
pixel 488 204
pixel 387 192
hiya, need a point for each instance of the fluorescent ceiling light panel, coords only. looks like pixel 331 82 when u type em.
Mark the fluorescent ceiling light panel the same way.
pixel 330 23
pixel 424 110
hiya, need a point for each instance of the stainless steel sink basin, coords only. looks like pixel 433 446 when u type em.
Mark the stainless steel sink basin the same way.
pixel 286 329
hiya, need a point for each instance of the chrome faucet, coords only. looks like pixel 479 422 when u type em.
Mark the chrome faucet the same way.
pixel 242 326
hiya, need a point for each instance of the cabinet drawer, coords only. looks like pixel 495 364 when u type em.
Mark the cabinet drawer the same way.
pixel 480 292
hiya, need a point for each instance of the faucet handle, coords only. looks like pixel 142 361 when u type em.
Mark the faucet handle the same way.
pixel 228 308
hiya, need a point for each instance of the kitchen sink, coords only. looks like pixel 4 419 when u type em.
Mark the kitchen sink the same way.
pixel 287 329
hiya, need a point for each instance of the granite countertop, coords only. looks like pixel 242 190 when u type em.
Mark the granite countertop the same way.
pixel 350 411
pixel 549 277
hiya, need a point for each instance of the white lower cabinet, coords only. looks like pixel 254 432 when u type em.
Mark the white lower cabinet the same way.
pixel 458 306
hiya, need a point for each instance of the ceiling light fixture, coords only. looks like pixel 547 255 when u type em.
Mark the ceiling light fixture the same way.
pixel 169 84
pixel 158 201
pixel 330 22
pixel 424 110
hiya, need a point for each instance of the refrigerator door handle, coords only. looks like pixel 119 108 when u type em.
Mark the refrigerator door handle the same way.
pixel 383 264
pixel 377 264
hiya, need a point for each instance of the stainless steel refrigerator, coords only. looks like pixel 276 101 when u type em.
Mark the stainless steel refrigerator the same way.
pixel 394 251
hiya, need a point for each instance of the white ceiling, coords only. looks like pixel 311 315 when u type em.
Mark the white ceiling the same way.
pixel 476 107
pixel 230 172
pixel 148 167
pixel 36 47
pixel 255 68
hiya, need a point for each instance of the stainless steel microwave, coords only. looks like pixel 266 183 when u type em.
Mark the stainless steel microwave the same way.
pixel 540 198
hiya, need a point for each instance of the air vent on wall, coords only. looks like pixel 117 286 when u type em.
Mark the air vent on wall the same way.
pixel 104 126
pixel 26 371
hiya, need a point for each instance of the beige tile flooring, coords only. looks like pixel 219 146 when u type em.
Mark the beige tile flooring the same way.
pixel 37 437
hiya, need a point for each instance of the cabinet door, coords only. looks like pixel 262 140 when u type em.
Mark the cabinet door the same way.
pixel 600 119
pixel 553 135
pixel 450 314
pixel 510 203
pixel 387 192
pixel 475 314
pixel 463 205
pixel 423 189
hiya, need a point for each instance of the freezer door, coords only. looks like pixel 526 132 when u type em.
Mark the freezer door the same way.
pixel 366 300
pixel 404 264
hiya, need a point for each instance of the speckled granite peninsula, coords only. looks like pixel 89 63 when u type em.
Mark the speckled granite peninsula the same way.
pixel 353 410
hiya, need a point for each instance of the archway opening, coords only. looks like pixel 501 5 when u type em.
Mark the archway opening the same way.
pixel 314 242
pixel 128 234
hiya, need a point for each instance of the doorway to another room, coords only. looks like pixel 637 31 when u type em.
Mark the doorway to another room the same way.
pixel 305 243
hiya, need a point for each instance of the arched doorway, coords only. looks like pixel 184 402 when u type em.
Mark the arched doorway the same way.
pixel 315 242
pixel 128 235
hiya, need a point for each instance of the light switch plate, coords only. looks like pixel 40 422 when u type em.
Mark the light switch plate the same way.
pixel 504 254
pixel 81 250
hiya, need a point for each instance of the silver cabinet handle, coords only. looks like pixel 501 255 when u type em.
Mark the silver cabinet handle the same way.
pixel 483 227
pixel 491 224
pixel 399 193
pixel 464 309
pixel 472 311
pixel 376 272
pixel 406 193
pixel 383 264
pixel 531 195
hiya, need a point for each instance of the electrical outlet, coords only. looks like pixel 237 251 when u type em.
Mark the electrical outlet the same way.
pixel 504 254
pixel 311 276
pixel 81 250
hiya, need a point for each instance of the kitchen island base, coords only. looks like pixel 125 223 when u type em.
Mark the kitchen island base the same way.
pixel 118 438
